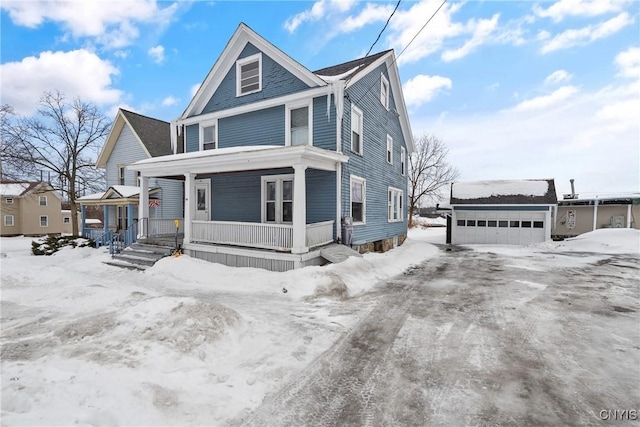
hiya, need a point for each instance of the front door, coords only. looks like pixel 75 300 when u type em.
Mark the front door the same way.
pixel 203 199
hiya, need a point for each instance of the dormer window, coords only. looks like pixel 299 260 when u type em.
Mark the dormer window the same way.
pixel 384 91
pixel 249 75
pixel 208 136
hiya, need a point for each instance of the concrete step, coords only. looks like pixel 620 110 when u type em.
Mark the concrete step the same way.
pixel 136 252
pixel 145 247
pixel 136 260
pixel 127 265
pixel 337 253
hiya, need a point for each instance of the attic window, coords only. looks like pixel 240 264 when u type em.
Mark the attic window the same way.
pixel 208 136
pixel 9 200
pixel 42 200
pixel 249 75
pixel 384 91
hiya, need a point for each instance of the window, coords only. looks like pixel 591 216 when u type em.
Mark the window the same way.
pixel 384 91
pixel 277 196
pixel 526 224
pixel 514 224
pixel 44 221
pixel 492 223
pixel 471 223
pixel 395 205
pixel 9 200
pixel 358 199
pixel 42 200
pixel 356 130
pixel 389 150
pixel 209 136
pixel 66 220
pixel 503 224
pixel 460 222
pixel 8 220
pixel 249 75
pixel 403 161
pixel 120 175
pixel 482 223
pixel 538 224
pixel 298 122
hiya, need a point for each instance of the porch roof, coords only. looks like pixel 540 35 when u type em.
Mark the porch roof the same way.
pixel 235 159
pixel 115 195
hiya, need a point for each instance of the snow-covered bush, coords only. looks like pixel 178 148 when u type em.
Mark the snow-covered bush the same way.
pixel 52 244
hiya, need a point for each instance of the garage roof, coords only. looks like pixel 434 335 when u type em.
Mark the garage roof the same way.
pixel 505 192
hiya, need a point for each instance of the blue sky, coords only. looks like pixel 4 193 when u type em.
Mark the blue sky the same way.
pixel 516 89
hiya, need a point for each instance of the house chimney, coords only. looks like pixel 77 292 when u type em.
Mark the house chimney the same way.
pixel 573 189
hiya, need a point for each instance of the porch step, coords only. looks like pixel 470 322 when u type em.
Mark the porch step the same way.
pixel 139 256
pixel 336 253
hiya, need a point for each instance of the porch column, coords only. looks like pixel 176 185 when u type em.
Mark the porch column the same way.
pixel 595 215
pixel 629 214
pixel 188 206
pixel 143 207
pixel 299 211
pixel 83 225
pixel 130 215
pixel 105 226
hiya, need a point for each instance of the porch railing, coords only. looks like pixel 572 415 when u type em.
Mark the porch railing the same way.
pixel 319 233
pixel 254 235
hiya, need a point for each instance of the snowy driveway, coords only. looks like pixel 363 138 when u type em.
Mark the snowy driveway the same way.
pixel 473 338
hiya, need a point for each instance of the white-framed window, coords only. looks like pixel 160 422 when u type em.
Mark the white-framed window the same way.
pixel 42 200
pixel 358 196
pixel 121 175
pixel 44 221
pixel 389 150
pixel 299 124
pixel 395 203
pixel 8 221
pixel 66 220
pixel 277 199
pixel 357 119
pixel 249 75
pixel 403 161
pixel 384 91
pixel 9 200
pixel 209 135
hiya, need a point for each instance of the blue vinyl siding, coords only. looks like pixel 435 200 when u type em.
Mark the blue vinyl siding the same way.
pixel 372 165
pixel 276 81
pixel 321 195
pixel 192 138
pixel 324 128
pixel 171 199
pixel 263 127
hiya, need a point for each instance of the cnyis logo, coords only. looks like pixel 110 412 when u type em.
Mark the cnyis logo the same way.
pixel 619 414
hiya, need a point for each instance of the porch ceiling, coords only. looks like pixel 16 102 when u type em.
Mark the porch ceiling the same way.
pixel 239 159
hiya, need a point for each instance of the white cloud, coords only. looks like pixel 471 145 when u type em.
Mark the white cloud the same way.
pixel 370 14
pixel 76 73
pixel 157 54
pixel 482 30
pixel 111 23
pixel 423 88
pixel 563 8
pixel 546 101
pixel 590 33
pixel 194 89
pixel 629 62
pixel 558 76
pixel 170 100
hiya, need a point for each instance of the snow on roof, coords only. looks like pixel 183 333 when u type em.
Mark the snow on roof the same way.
pixel 92 221
pixel 14 188
pixel 126 190
pixel 483 189
pixel 206 153
pixel 335 78
pixel 94 196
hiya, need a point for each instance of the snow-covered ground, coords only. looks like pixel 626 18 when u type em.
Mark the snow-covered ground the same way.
pixel 189 342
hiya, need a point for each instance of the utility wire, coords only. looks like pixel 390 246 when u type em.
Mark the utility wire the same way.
pixel 405 48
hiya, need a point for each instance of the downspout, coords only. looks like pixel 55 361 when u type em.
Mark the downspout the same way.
pixel 595 214
pixel 337 89
pixel 629 214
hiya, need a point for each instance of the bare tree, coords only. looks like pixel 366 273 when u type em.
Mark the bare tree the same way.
pixel 63 139
pixel 429 171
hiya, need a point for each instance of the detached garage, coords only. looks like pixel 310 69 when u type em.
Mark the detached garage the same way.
pixel 513 212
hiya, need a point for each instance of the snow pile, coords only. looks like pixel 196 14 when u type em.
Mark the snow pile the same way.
pixel 605 241
pixel 485 189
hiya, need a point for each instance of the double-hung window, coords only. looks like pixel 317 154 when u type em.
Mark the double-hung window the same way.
pixel 120 175
pixel 384 91
pixel 395 203
pixel 249 75
pixel 277 199
pixel 356 130
pixel 8 221
pixel 44 221
pixel 42 200
pixel 358 199
pixel 403 161
pixel 389 150
pixel 298 122
pixel 209 136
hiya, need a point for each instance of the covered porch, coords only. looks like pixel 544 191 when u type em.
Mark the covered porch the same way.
pixel 251 201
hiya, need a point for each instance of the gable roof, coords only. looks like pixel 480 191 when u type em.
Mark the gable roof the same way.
pixel 227 59
pixel 22 188
pixel 504 192
pixel 154 135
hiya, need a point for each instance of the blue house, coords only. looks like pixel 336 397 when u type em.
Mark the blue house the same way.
pixel 277 161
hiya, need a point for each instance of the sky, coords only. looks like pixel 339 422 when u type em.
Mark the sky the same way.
pixel 515 89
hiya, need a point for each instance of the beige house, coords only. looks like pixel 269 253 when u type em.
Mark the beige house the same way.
pixel 581 215
pixel 30 209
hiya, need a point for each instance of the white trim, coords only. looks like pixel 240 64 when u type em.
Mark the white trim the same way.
pixel 263 197
pixel 389 153
pixel 40 198
pixel 403 161
pixel 244 61
pixel 386 100
pixel 396 202
pixel 13 223
pixel 363 181
pixel 47 220
pixel 360 129
pixel 204 124
pixel 287 119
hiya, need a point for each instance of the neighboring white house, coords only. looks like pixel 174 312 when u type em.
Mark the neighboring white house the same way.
pixel 515 212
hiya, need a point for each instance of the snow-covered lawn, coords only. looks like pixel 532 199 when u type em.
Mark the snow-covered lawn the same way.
pixel 189 342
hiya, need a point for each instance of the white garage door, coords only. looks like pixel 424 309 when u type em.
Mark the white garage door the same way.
pixel 499 227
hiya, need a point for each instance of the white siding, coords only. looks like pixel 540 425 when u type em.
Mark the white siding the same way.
pixel 126 151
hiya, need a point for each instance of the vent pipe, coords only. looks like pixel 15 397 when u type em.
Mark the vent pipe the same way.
pixel 573 189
